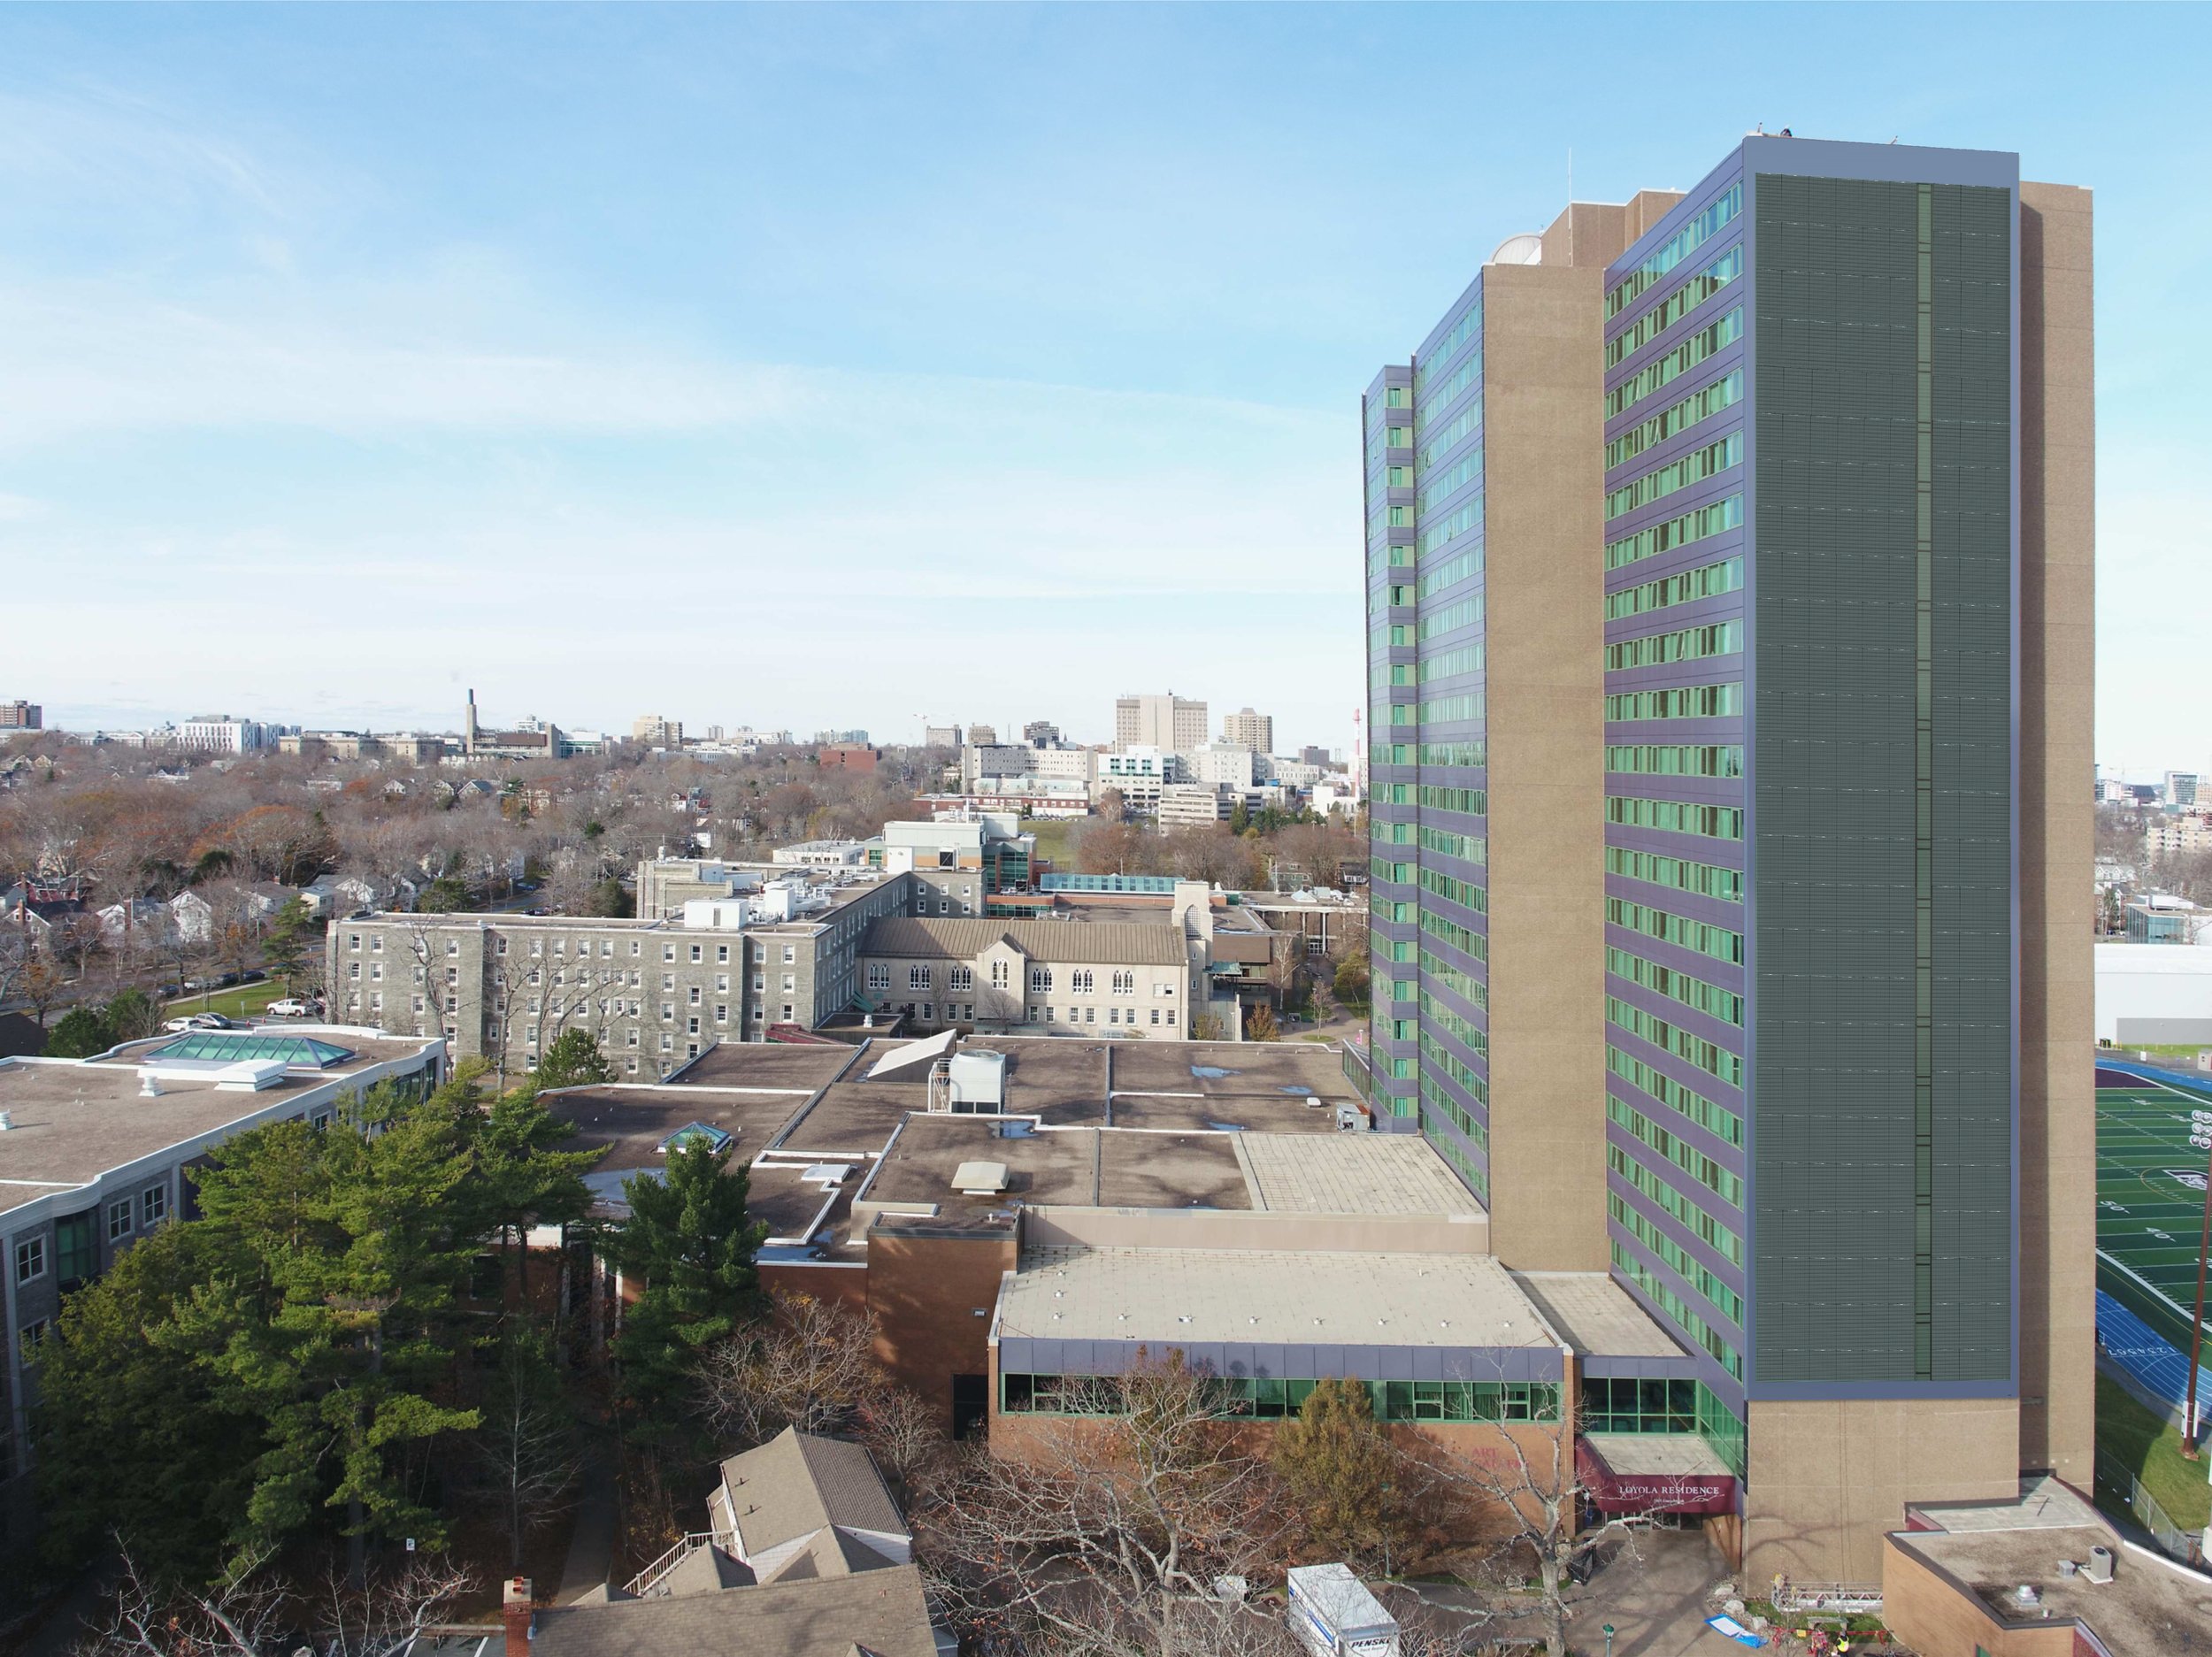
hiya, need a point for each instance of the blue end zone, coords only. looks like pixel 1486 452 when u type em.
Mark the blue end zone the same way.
pixel 2147 1355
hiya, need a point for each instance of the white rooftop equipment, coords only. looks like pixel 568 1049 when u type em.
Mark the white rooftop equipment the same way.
pixel 978 1081
pixel 827 1174
pixel 979 1179
pixel 1334 1614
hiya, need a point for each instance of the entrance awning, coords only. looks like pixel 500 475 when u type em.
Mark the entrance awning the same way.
pixel 1655 1472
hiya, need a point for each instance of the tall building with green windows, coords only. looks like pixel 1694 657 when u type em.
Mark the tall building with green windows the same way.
pixel 1728 567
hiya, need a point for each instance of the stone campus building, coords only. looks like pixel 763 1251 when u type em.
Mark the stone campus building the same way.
pixel 858 947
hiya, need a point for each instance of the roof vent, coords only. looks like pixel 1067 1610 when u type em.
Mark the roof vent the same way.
pixel 979 1179
pixel 6 1122
pixel 149 1085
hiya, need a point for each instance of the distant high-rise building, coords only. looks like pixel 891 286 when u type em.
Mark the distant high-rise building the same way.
pixel 941 736
pixel 982 736
pixel 1732 878
pixel 2181 788
pixel 20 716
pixel 1250 730
pixel 1310 755
pixel 657 731
pixel 714 734
pixel 1041 734
pixel 1176 724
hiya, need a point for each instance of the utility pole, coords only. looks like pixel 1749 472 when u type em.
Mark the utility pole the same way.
pixel 2200 1137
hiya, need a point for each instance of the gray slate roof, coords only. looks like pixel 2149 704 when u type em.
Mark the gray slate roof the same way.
pixel 798 1484
pixel 1076 943
pixel 881 1613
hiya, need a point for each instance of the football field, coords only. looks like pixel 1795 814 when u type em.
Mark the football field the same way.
pixel 2150 1195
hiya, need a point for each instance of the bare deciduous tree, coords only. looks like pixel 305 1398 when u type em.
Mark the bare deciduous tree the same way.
pixel 810 1364
pixel 1530 1500
pixel 254 1614
pixel 1115 1537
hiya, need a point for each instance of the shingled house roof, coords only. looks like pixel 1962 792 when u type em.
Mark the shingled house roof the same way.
pixel 1078 943
pixel 877 1614
pixel 796 1485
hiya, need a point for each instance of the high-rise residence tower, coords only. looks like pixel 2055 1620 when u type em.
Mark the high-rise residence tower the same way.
pixel 1172 724
pixel 1829 569
pixel 1248 730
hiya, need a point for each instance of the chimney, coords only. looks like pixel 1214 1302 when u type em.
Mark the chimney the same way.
pixel 514 1612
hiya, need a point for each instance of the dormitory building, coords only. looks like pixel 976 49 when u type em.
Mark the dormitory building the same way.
pixel 1729 593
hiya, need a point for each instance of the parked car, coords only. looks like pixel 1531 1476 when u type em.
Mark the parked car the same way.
pixel 293 1007
pixel 252 975
pixel 200 1021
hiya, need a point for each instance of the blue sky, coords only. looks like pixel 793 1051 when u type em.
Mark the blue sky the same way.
pixel 823 366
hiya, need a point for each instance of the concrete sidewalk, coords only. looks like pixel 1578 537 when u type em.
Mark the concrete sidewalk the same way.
pixel 591 1544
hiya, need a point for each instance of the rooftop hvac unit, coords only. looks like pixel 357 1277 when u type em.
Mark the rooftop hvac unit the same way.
pixel 978 1076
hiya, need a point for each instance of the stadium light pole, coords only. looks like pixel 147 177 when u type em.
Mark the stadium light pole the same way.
pixel 2189 1433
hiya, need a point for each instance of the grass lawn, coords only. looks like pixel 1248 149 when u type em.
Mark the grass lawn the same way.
pixel 242 1000
pixel 1055 840
pixel 2152 1447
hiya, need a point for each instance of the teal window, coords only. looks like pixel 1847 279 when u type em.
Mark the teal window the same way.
pixel 1687 644
pixel 1709 1056
pixel 1458 477
pixel 1475 1084
pixel 1707 582
pixel 1676 531
pixel 1687 702
pixel 1468 563
pixel 1444 393
pixel 1695 467
pixel 1464 614
pixel 1677 1308
pixel 1694 994
pixel 1674 307
pixel 1467 658
pixel 1467 753
pixel 1466 847
pixel 1660 371
pixel 1441 442
pixel 1708 881
pixel 1715 1178
pixel 1694 409
pixel 1672 1202
pixel 1677 248
pixel 1399 437
pixel 1691 1105
pixel 1466 986
pixel 1466 939
pixel 1271 1398
pixel 1474 802
pixel 1397 396
pixel 1676 759
pixel 1442 710
pixel 1466 520
pixel 1684 1265
pixel 1675 817
pixel 1439 884
pixel 1476 1130
pixel 1678 930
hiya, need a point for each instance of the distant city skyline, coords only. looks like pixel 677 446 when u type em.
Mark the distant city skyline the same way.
pixel 410 348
